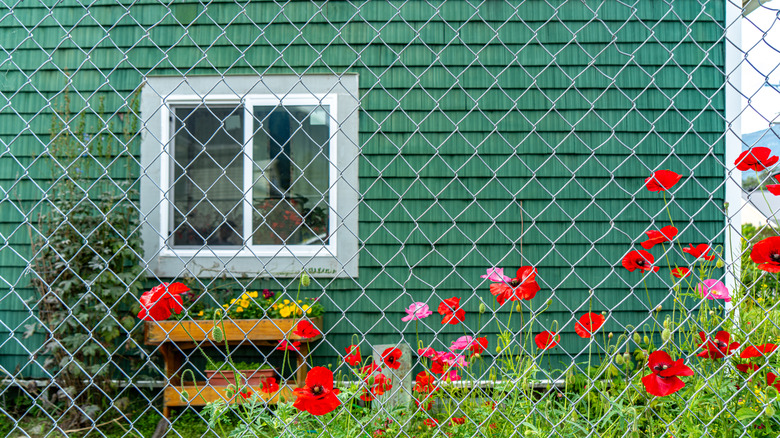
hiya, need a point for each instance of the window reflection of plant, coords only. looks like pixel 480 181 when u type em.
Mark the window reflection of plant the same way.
pixel 282 221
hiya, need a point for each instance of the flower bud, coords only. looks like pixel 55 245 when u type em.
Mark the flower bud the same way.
pixel 619 360
pixel 771 392
pixel 637 338
pixel 666 335
pixel 217 334
pixel 185 396
pixel 230 390
pixel 498 349
pixel 658 308
pixel 712 313
pixel 305 280
pixel 719 264
pixel 667 322
pixel 610 335
pixel 604 313
pixel 627 357
pixel 476 356
pixel 646 339
pixel 770 411
pixel 518 307
pixel 482 308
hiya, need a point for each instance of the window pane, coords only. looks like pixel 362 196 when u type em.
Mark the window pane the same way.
pixel 290 175
pixel 207 189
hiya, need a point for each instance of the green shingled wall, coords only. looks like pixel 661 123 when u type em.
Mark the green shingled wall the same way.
pixel 490 135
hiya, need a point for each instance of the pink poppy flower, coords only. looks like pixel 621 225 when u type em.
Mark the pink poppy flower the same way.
pixel 427 352
pixel 462 343
pixel 417 311
pixel 496 275
pixel 712 289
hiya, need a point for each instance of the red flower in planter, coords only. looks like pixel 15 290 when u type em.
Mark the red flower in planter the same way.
pixel 291 346
pixel 306 330
pixel 718 347
pixel 767 254
pixel 159 303
pixel 699 251
pixel 681 272
pixel 757 351
pixel 377 386
pixel 317 397
pixel 639 259
pixel 391 357
pixel 353 355
pixel 450 309
pixel 588 324
pixel 654 237
pixel 479 345
pixel 661 180
pixel 246 394
pixel 758 159
pixel 546 340
pixel 664 379
pixel 430 422
pixel 424 382
pixel 269 385
pixel 522 287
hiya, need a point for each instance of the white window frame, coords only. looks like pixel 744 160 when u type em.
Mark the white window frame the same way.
pixel 338 258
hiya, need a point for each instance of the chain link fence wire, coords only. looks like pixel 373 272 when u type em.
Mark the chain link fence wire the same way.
pixel 338 162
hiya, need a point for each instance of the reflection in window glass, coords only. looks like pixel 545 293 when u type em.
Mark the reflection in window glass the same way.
pixel 208 175
pixel 290 175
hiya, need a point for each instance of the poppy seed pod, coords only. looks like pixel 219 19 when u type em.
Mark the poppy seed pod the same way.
pixel 217 334
pixel 305 280
pixel 666 335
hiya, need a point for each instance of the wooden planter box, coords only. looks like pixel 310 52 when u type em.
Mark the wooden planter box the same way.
pixel 226 377
pixel 236 330
pixel 173 337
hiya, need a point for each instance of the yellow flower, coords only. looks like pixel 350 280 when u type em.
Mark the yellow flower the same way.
pixel 244 296
pixel 274 306
pixel 232 301
pixel 200 313
pixel 285 312
pixel 244 303
pixel 225 306
pixel 286 301
pixel 307 309
pixel 253 294
pixel 299 301
pixel 239 309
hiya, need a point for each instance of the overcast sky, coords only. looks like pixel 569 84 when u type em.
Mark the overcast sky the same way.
pixel 761 40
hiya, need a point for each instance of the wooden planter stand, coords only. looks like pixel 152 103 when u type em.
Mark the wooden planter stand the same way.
pixel 172 338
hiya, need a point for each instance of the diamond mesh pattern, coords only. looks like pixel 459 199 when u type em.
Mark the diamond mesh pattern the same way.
pixel 483 134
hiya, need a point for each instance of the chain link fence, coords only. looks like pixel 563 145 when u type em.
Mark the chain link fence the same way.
pixel 458 218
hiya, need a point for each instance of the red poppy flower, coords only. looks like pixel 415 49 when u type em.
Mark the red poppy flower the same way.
pixel 767 254
pixel 588 324
pixel 306 330
pixel 718 347
pixel 758 159
pixel 770 380
pixel 269 385
pixel 159 303
pixel 640 259
pixel 681 272
pixel 377 385
pixel 664 379
pixel 430 422
pixel 370 369
pixel 654 237
pixel 246 393
pixel 391 357
pixel 450 309
pixel 424 405
pixel 757 351
pixel 291 346
pixel 546 340
pixel 479 345
pixel 424 382
pixel 699 251
pixel 522 287
pixel 353 355
pixel 747 367
pixel 458 420
pixel 773 189
pixel 317 397
pixel 661 180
